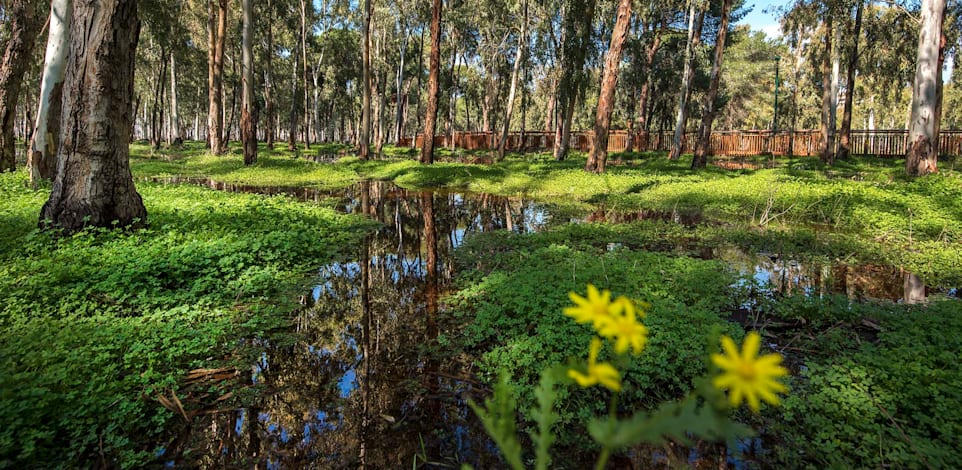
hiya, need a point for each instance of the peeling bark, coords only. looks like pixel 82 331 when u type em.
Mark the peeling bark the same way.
pixel 42 160
pixel 94 186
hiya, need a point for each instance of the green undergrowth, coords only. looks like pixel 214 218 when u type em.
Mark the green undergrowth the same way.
pixel 96 325
pixel 511 300
pixel 877 384
pixel 873 384
pixel 277 168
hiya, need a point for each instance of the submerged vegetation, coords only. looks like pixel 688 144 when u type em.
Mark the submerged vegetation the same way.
pixel 100 325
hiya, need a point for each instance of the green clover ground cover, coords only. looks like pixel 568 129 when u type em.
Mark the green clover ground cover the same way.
pixel 94 326
pixel 99 323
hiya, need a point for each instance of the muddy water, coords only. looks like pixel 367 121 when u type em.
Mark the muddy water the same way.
pixel 365 379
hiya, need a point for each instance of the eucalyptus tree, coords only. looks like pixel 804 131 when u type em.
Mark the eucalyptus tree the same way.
pixel 364 140
pixel 855 32
pixel 516 69
pixel 430 120
pixel 216 37
pixel 696 16
pixel 921 157
pixel 599 151
pixel 93 185
pixel 41 160
pixel 702 145
pixel 248 122
pixel 576 44
pixel 25 20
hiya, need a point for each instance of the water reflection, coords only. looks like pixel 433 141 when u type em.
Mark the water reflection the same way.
pixel 364 379
pixel 364 382
pixel 786 276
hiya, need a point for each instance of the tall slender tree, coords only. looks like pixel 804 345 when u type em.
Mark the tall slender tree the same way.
pixel 364 135
pixel 703 144
pixel 922 155
pixel 23 29
pixel 696 16
pixel 216 32
pixel 845 133
pixel 828 123
pixel 93 185
pixel 430 120
pixel 599 150
pixel 248 122
pixel 518 59
pixel 577 21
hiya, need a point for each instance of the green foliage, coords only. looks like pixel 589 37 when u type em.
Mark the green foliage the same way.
pixel 95 325
pixel 513 326
pixel 499 417
pixel 277 168
pixel 700 415
pixel 863 404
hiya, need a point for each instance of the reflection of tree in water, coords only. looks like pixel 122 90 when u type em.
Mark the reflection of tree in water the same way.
pixel 785 276
pixel 364 383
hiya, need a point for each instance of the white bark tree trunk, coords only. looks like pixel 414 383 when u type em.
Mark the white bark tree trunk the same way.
pixel 695 16
pixel 923 151
pixel 43 150
pixel 519 56
pixel 174 135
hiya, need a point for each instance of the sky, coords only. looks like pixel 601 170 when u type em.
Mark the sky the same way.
pixel 762 19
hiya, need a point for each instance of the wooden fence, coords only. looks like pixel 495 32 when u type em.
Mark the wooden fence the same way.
pixel 889 143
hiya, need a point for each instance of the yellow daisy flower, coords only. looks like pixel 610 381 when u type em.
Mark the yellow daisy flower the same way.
pixel 603 373
pixel 597 308
pixel 747 376
pixel 625 329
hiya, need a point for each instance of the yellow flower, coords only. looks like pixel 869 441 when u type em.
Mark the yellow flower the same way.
pixel 597 308
pixel 748 376
pixel 625 329
pixel 603 373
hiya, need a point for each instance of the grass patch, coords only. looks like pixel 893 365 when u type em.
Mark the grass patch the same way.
pixel 96 325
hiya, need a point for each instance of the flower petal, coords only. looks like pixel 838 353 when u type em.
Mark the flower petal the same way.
pixel 750 348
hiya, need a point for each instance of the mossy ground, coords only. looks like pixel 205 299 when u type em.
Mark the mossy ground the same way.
pixel 101 322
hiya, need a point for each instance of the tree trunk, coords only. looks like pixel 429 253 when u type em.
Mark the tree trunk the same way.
pixel 599 150
pixel 155 120
pixel 174 138
pixel 708 118
pixel 430 121
pixel 519 56
pixel 270 119
pixel 46 137
pixel 922 155
pixel 216 29
pixel 417 107
pixel 645 93
pixel 695 19
pixel 828 127
pixel 364 144
pixel 305 75
pixel 93 186
pixel 247 123
pixel 578 21
pixel 292 133
pixel 845 134
pixel 401 99
pixel 23 29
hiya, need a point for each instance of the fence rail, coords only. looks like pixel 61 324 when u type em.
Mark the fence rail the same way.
pixel 887 143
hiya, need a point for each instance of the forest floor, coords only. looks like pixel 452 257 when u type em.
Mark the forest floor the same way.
pixel 114 337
